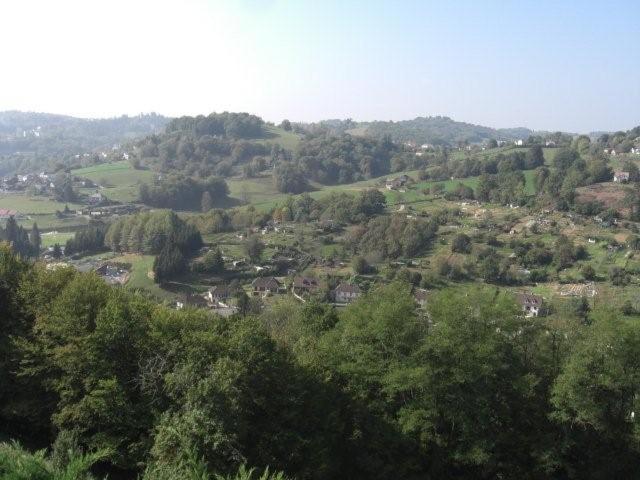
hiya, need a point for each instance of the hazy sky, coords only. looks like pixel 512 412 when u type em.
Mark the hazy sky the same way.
pixel 572 65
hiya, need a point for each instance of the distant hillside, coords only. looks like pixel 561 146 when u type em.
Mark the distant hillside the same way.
pixel 49 133
pixel 438 131
pixel 31 141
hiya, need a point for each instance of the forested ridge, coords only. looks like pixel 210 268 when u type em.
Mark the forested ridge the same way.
pixel 471 389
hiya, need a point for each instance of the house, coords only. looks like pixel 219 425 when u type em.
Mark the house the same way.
pixel 549 143
pixel 399 182
pixel 193 301
pixel 613 152
pixel 304 285
pixel 346 293
pixel 635 150
pixel 621 177
pixel 267 286
pixel 95 198
pixel 113 274
pixel 426 146
pixel 420 296
pixel 531 304
pixel 219 293
pixel 519 142
pixel 5 213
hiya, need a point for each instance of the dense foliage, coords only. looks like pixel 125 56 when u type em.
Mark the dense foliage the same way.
pixel 205 145
pixel 375 391
pixel 151 232
pixel 332 159
pixel 393 236
pixel 87 240
pixel 183 193
pixel 22 242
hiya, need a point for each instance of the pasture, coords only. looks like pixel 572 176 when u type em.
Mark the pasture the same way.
pixel 35 205
pixel 120 181
pixel 288 140
pixel 49 239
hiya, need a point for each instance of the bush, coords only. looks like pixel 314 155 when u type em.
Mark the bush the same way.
pixel 588 272
pixel 360 265
pixel 461 243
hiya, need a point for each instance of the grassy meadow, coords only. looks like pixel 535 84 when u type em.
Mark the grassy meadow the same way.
pixel 120 179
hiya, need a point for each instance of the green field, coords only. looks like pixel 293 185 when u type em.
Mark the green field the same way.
pixel 141 265
pixel 261 192
pixel 120 179
pixel 26 205
pixel 50 239
pixel 288 140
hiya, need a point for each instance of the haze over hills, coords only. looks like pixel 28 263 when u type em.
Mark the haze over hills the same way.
pixel 48 134
pixel 441 131
pixel 31 131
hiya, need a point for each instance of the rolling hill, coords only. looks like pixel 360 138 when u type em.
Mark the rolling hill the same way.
pixel 438 131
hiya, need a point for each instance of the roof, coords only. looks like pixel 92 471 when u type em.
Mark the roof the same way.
pixel 420 294
pixel 621 174
pixel 266 282
pixel 305 282
pixel 195 300
pixel 529 300
pixel 7 212
pixel 347 288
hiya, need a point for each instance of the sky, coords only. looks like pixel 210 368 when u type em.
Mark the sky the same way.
pixel 570 65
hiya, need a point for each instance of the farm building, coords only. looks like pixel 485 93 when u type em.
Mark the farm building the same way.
pixel 219 293
pixel 531 304
pixel 621 177
pixel 305 285
pixel 399 182
pixel 267 286
pixel 5 213
pixel 346 293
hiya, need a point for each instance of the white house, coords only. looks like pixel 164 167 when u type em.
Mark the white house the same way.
pixel 346 293
pixel 531 304
pixel 519 142
pixel 621 177
pixel 219 293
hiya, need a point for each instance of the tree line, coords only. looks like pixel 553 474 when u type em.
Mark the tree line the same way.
pixel 22 242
